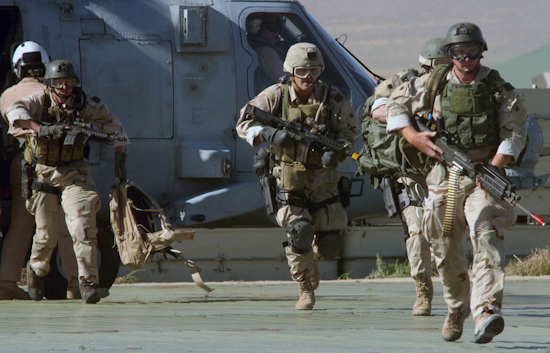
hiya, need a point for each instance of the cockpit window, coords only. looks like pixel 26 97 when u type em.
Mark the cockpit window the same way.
pixel 270 35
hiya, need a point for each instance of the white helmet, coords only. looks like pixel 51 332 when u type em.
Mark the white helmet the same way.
pixel 29 55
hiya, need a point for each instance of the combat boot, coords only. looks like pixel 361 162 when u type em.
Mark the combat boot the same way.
pixel 307 296
pixel 487 325
pixel 88 291
pixel 452 327
pixel 424 294
pixel 315 278
pixel 9 291
pixel 35 284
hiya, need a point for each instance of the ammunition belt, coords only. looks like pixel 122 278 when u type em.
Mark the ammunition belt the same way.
pixel 452 202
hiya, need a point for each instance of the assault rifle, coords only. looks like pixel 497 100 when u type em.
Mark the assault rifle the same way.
pixel 299 131
pixel 489 177
pixel 81 127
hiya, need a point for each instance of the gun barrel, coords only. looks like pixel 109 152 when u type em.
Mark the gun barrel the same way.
pixel 539 220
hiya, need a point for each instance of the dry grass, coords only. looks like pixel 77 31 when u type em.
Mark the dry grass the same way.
pixel 132 277
pixel 535 264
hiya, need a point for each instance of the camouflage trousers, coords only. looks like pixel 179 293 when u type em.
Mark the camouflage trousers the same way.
pixel 18 239
pixel 321 184
pixel 418 248
pixel 487 218
pixel 79 202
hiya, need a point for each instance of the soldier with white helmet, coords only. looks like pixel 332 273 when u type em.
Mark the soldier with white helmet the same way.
pixel 391 171
pixel 308 200
pixel 481 114
pixel 28 64
pixel 61 178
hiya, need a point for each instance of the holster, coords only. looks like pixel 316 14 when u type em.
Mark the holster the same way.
pixel 263 166
pixel 344 188
pixel 27 177
pixel 267 182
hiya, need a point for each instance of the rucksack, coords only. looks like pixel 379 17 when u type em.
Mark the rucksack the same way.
pixel 141 229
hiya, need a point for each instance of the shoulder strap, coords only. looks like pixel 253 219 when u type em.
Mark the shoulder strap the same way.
pixel 286 98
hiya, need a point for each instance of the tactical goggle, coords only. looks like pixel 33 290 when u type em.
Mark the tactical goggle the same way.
pixel 69 82
pixel 303 72
pixel 461 52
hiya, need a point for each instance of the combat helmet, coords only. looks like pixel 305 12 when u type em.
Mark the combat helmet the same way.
pixel 303 55
pixel 60 69
pixel 432 53
pixel 464 32
pixel 27 56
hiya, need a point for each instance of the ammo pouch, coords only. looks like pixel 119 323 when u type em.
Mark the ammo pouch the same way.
pixel 293 176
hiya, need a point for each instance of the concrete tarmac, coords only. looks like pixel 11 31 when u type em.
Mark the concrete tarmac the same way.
pixel 349 316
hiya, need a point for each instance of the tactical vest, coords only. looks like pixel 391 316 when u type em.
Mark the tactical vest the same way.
pixel 470 111
pixel 55 152
pixel 297 158
pixel 317 120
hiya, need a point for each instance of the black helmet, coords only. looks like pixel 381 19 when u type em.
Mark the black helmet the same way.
pixel 60 69
pixel 464 32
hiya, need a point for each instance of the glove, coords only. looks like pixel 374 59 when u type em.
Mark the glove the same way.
pixel 330 159
pixel 120 166
pixel 276 136
pixel 51 131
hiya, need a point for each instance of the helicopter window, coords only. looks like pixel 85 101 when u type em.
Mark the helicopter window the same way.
pixel 270 34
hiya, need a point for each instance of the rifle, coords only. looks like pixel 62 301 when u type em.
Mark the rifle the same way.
pixel 81 127
pixel 299 131
pixel 489 177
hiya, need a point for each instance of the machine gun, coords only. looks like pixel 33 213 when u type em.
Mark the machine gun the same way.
pixel 299 131
pixel 489 177
pixel 81 127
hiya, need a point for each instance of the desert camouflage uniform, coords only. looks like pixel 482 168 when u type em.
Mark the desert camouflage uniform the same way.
pixel 486 216
pixel 78 198
pixel 321 184
pixel 19 236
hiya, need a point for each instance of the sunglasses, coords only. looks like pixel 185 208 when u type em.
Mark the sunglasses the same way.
pixel 69 82
pixel 303 72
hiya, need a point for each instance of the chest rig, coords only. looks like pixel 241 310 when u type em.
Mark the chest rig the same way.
pixel 64 150
pixel 317 117
pixel 470 112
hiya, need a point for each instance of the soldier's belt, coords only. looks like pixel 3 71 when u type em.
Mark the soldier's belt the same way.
pixel 312 207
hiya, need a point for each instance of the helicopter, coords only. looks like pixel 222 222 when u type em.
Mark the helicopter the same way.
pixel 176 73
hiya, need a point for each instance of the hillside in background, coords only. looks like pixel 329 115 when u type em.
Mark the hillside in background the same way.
pixel 388 35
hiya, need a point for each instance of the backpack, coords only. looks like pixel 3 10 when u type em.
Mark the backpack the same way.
pixel 141 229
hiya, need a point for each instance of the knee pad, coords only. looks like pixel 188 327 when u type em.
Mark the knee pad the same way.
pixel 330 243
pixel 301 235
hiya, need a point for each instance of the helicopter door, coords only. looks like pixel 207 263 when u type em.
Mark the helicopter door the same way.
pixel 134 79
